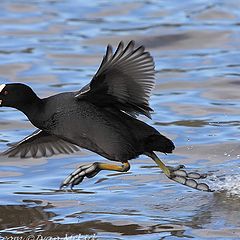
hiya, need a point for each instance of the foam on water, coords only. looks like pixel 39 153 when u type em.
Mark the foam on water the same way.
pixel 227 184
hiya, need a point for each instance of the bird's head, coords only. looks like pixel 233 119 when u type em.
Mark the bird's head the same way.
pixel 16 95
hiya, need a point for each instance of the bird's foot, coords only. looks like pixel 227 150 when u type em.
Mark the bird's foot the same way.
pixel 181 176
pixel 90 171
pixel 78 175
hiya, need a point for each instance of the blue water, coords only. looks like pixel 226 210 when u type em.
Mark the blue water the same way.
pixel 57 46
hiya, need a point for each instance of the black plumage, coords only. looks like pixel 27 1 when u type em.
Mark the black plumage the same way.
pixel 101 117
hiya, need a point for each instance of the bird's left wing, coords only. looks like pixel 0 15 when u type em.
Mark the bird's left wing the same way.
pixel 123 81
pixel 40 144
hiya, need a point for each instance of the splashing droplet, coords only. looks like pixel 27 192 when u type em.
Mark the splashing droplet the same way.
pixel 228 184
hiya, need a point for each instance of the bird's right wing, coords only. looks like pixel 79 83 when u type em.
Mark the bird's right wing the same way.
pixel 123 81
pixel 40 144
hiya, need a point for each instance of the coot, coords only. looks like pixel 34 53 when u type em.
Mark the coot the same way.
pixel 101 117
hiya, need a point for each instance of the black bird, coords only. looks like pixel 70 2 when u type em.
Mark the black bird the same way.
pixel 101 117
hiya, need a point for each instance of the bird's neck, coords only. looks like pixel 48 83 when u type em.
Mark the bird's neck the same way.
pixel 33 110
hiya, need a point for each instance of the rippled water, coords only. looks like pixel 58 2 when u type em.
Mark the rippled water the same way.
pixel 56 46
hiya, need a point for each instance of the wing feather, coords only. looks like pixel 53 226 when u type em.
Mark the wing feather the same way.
pixel 124 80
pixel 40 144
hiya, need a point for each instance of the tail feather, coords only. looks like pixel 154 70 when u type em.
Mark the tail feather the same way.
pixel 160 143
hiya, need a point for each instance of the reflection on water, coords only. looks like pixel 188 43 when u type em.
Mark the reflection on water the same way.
pixel 57 46
pixel 42 217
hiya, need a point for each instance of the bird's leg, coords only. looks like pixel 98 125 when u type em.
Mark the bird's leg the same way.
pixel 179 175
pixel 90 171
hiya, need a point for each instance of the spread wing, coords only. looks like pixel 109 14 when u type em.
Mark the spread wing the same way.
pixel 124 80
pixel 40 144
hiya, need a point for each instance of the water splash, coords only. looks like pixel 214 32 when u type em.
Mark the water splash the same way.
pixel 230 185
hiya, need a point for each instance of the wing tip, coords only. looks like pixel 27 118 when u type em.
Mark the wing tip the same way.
pixel 134 61
pixel 109 51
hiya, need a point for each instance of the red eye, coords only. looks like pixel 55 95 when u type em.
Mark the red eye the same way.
pixel 5 93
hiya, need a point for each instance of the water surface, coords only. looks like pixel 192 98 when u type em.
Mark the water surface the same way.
pixel 56 46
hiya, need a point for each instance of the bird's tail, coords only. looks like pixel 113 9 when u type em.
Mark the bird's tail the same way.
pixel 160 143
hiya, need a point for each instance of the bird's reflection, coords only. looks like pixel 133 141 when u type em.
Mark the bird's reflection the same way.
pixel 33 217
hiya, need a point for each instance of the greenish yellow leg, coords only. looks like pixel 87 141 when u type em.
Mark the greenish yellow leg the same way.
pixel 155 158
pixel 112 167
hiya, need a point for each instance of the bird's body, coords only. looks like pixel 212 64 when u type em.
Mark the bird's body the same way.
pixel 101 117
pixel 109 132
